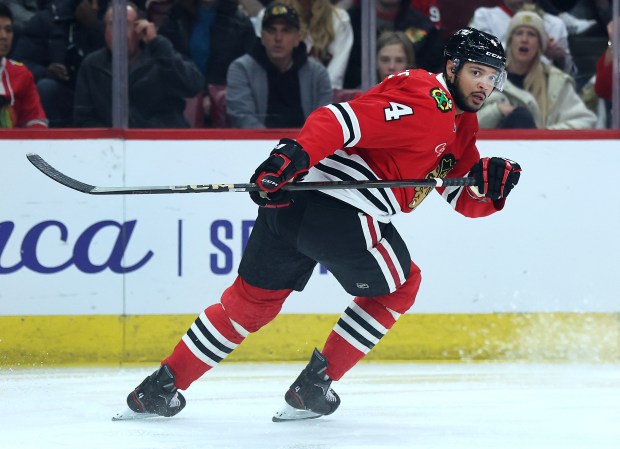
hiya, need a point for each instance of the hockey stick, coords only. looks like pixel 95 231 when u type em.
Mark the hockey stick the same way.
pixel 74 184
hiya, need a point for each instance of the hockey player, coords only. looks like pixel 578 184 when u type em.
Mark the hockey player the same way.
pixel 413 125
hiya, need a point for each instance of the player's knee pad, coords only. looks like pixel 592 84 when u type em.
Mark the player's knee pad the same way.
pixel 252 307
pixel 404 296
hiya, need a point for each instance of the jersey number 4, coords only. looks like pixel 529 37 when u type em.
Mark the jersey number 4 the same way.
pixel 396 111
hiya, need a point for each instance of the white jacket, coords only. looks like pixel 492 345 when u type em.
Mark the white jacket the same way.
pixel 495 21
pixel 566 110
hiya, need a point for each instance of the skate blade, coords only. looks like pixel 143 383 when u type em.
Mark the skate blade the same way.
pixel 288 413
pixel 128 414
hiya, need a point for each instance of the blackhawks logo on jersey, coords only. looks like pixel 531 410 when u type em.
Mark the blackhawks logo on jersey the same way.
pixel 447 163
pixel 444 104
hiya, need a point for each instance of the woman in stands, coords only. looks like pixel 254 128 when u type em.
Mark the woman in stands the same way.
pixel 536 94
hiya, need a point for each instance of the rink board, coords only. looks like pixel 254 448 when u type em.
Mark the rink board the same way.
pixel 120 278
pixel 112 340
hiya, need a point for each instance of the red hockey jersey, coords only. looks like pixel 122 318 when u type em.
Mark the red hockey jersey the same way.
pixel 20 106
pixel 403 128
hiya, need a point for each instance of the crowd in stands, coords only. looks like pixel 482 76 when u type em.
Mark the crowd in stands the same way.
pixel 266 64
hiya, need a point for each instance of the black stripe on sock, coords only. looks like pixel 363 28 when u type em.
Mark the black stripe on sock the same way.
pixel 202 348
pixel 355 334
pixel 209 336
pixel 363 323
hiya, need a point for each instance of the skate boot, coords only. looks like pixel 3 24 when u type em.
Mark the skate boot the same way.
pixel 155 396
pixel 310 396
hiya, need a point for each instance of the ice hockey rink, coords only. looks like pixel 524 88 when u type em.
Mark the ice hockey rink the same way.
pixel 384 405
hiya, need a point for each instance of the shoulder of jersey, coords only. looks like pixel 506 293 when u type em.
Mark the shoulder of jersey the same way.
pixel 426 87
pixel 16 63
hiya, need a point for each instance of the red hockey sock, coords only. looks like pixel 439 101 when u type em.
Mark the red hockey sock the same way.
pixel 364 323
pixel 221 328
pixel 207 342
pixel 358 330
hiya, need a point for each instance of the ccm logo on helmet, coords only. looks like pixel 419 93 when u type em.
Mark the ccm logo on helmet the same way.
pixel 493 55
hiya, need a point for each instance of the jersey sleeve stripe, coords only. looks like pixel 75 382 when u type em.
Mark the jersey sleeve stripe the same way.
pixel 348 122
pixel 346 132
pixel 355 125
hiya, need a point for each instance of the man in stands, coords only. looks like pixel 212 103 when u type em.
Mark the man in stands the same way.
pixel 276 85
pixel 159 79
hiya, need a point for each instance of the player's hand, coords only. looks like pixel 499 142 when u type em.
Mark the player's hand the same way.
pixel 287 162
pixel 495 177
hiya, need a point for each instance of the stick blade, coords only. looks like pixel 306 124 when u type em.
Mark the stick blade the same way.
pixel 57 176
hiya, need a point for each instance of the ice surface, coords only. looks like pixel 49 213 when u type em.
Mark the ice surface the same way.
pixel 426 406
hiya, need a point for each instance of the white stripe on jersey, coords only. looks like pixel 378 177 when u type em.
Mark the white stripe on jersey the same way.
pixel 353 196
pixel 351 132
pixel 346 131
pixel 357 132
pixel 450 191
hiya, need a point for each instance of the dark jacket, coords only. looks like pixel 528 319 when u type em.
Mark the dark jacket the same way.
pixel 159 81
pixel 232 35
pixel 427 42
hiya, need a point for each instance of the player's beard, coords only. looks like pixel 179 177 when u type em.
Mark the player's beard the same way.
pixel 459 97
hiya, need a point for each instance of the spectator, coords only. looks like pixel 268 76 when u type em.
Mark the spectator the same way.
pixel 394 54
pixel 495 21
pixel 276 85
pixel 22 10
pixel 19 101
pixel 536 94
pixel 212 33
pixel 580 16
pixel 603 86
pixel 430 8
pixel 53 45
pixel 159 79
pixel 327 33
pixel 396 15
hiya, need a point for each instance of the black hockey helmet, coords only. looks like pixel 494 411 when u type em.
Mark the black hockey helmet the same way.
pixel 470 44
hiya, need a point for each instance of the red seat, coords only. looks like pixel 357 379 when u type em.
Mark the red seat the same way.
pixel 342 95
pixel 217 95
pixel 194 112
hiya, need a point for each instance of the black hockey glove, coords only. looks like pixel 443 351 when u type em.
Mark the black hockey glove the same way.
pixel 287 162
pixel 495 176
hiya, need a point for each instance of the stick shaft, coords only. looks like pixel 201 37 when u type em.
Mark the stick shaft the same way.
pixel 80 186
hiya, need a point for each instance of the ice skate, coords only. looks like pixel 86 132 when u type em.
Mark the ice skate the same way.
pixel 310 396
pixel 155 396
